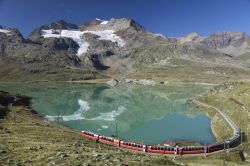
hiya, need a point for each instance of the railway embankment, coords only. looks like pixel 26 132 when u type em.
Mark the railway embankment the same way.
pixel 228 105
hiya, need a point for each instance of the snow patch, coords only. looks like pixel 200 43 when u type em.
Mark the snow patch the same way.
pixel 104 22
pixel 110 116
pixel 160 35
pixel 4 31
pixel 76 36
pixel 108 35
pixel 84 107
pixel 73 34
pixel 105 127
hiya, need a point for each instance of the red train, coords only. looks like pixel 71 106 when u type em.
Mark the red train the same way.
pixel 232 142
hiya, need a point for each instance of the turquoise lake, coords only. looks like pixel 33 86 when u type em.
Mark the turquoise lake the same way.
pixel 152 114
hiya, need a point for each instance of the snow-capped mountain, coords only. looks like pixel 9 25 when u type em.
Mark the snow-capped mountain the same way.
pixel 117 47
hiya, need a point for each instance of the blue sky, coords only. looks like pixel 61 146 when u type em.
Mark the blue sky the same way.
pixel 173 18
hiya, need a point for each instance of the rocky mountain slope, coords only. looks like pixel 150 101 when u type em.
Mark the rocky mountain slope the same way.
pixel 120 48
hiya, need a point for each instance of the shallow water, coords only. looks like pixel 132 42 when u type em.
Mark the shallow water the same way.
pixel 152 114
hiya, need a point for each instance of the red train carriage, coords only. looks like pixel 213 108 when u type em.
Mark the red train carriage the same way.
pixel 161 149
pixel 109 141
pixel 90 135
pixel 133 146
pixel 216 147
pixel 193 150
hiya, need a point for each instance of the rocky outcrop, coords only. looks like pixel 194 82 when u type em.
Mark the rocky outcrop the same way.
pixel 232 43
pixel 10 40
pixel 113 82
pixel 36 37
pixel 192 37
pixel 225 39
pixel 7 98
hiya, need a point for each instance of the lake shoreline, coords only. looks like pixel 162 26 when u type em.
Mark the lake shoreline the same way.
pixel 158 93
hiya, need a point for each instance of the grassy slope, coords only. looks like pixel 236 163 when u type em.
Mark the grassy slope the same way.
pixel 27 143
pixel 233 99
pixel 184 70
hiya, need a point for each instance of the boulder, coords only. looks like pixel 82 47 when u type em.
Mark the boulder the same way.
pixel 113 82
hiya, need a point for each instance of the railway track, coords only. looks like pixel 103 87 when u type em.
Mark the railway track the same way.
pixel 224 115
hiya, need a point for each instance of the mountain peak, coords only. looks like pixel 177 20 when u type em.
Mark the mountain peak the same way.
pixel 11 33
pixel 224 39
pixel 91 23
pixel 192 37
pixel 60 24
pixel 124 23
pixel 112 24
pixel 5 30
